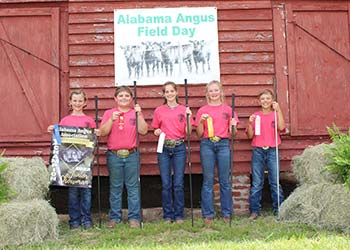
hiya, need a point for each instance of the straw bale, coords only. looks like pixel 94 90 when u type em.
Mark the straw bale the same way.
pixel 28 178
pixel 27 222
pixel 321 205
pixel 309 167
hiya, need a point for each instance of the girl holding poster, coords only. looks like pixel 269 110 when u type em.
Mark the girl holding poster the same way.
pixel 79 199
pixel 119 124
pixel 169 121
pixel 214 122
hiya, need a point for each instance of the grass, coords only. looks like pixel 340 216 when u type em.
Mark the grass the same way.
pixel 264 233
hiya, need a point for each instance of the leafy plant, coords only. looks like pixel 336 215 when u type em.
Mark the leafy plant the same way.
pixel 5 191
pixel 339 154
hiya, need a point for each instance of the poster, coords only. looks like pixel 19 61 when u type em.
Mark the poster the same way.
pixel 72 155
pixel 152 46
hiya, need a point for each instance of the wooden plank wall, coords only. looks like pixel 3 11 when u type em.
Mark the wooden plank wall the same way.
pixel 247 62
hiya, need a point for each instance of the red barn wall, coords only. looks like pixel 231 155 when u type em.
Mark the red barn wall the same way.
pixel 252 49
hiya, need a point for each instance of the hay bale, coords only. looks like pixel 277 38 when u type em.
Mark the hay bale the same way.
pixel 309 167
pixel 27 222
pixel 27 177
pixel 321 205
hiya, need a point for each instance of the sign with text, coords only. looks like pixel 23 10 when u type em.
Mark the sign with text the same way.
pixel 152 46
pixel 72 155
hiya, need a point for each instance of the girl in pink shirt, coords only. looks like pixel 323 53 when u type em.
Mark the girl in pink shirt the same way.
pixel 171 119
pixel 79 199
pixel 119 124
pixel 214 122
pixel 264 151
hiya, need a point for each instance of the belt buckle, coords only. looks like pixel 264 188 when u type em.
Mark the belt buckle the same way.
pixel 215 139
pixel 265 147
pixel 123 153
pixel 170 143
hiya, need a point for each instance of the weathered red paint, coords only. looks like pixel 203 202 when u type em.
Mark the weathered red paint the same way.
pixel 256 44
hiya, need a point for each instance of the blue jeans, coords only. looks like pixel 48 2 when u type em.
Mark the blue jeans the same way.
pixel 79 206
pixel 172 158
pixel 124 171
pixel 260 159
pixel 219 154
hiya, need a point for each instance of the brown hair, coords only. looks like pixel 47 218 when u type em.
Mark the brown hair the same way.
pixel 266 92
pixel 122 89
pixel 174 86
pixel 222 98
pixel 77 92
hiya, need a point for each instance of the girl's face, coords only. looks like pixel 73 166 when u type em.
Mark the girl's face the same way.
pixel 214 93
pixel 170 93
pixel 123 99
pixel 77 102
pixel 266 101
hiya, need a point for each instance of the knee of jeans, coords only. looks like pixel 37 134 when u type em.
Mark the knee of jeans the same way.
pixel 257 184
pixel 178 187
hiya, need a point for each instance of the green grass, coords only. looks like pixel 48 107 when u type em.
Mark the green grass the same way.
pixel 264 233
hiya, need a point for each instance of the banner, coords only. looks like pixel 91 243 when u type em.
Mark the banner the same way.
pixel 72 155
pixel 152 46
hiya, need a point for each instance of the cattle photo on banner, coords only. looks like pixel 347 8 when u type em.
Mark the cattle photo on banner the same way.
pixel 72 155
pixel 158 44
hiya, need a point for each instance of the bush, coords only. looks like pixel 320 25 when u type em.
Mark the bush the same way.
pixel 339 154
pixel 5 191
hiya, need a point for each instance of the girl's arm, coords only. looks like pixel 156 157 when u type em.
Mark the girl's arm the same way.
pixel 233 122
pixel 105 129
pixel 280 119
pixel 250 132
pixel 142 125
pixel 188 112
pixel 200 127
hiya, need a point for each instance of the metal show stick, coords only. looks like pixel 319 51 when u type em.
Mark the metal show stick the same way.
pixel 189 151
pixel 98 165
pixel 138 159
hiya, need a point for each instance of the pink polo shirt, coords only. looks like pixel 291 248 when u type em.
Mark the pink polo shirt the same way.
pixel 82 121
pixel 172 121
pixel 267 131
pixel 122 134
pixel 221 116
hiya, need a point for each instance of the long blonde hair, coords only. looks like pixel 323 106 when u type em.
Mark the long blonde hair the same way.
pixel 222 97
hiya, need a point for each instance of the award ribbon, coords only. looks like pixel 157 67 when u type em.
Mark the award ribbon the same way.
pixel 210 127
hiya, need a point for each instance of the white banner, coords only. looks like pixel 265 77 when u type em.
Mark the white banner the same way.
pixel 152 46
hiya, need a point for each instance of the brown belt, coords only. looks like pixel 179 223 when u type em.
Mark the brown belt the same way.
pixel 123 153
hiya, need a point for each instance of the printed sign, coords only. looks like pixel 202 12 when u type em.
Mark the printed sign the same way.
pixel 72 155
pixel 152 46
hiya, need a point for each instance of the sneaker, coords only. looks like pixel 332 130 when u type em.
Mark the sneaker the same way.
pixel 179 221
pixel 208 221
pixel 253 216
pixel 112 224
pixel 227 219
pixel 166 221
pixel 88 226
pixel 134 224
pixel 74 227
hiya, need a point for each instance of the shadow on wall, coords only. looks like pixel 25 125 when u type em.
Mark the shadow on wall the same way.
pixel 150 188
pixel 151 193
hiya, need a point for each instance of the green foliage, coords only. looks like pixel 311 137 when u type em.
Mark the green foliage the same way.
pixel 4 189
pixel 339 154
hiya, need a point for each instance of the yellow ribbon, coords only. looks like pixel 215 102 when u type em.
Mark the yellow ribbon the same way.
pixel 210 127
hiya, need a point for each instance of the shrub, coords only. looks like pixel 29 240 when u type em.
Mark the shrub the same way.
pixel 5 191
pixel 339 154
